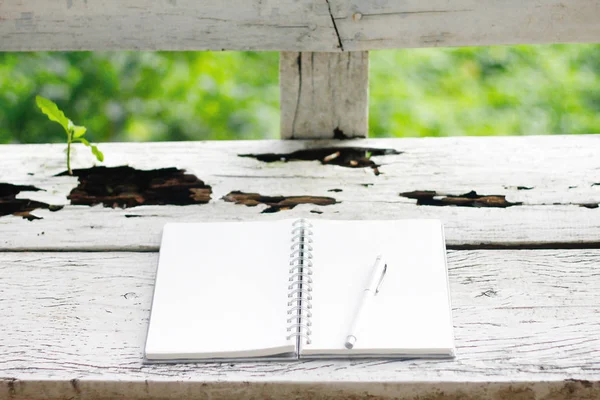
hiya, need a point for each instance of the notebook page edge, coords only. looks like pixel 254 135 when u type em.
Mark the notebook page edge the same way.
pixel 447 351
pixel 150 353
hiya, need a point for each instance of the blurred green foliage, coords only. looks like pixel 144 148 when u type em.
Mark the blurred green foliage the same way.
pixel 154 96
pixel 516 90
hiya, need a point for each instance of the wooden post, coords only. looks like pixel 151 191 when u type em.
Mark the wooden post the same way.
pixel 324 95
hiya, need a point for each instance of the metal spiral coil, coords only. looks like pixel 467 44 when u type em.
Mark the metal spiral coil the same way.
pixel 300 281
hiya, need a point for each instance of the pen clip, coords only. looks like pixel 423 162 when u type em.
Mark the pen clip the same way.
pixel 381 278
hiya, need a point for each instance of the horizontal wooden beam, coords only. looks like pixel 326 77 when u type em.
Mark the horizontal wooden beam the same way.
pixel 166 25
pixel 376 24
pixel 551 212
pixel 291 25
pixel 525 322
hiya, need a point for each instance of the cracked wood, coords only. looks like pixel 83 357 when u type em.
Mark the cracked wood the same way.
pixel 377 24
pixel 74 325
pixel 291 25
pixel 337 32
pixel 324 95
pixel 166 25
pixel 561 170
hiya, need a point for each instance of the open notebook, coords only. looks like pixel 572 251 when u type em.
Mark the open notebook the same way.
pixel 289 289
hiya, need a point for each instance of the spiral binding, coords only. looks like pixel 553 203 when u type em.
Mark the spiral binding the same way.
pixel 300 281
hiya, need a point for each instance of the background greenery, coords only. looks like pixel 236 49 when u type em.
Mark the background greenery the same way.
pixel 128 96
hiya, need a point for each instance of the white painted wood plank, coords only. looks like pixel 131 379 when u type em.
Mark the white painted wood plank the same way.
pixel 139 229
pixel 27 25
pixel 376 24
pixel 289 25
pixel 525 322
pixel 324 95
pixel 561 170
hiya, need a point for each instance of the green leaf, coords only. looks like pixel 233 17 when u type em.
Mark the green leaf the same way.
pixel 99 155
pixel 49 108
pixel 79 131
pixel 95 150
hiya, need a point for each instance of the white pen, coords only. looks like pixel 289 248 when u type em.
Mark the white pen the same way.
pixel 378 272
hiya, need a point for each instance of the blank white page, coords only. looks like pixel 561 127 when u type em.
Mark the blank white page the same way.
pixel 410 316
pixel 221 292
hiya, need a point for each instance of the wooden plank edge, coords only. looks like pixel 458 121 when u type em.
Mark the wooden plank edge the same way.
pixel 567 389
pixel 331 25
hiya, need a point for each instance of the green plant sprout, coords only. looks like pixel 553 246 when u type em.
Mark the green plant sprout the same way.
pixel 74 133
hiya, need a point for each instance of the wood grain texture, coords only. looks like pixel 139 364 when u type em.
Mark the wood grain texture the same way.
pixel 27 25
pixel 561 172
pixel 384 24
pixel 290 25
pixel 324 95
pixel 74 325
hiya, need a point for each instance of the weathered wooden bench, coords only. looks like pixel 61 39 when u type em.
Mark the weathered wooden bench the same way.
pixel 76 283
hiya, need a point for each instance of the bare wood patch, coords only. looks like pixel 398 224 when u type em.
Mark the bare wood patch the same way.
pixel 590 205
pixel 471 199
pixel 10 205
pixel 349 157
pixel 129 187
pixel 519 187
pixel 276 203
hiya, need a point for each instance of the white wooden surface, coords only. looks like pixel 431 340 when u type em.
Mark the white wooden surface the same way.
pixel 165 25
pixel 561 170
pixel 377 24
pixel 290 25
pixel 324 95
pixel 525 321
